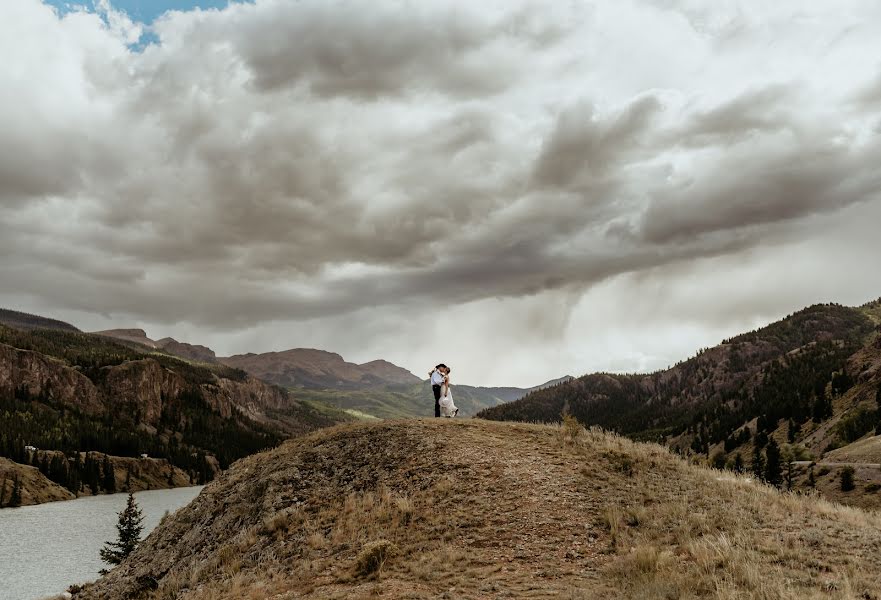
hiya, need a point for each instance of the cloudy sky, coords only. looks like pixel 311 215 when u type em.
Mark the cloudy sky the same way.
pixel 520 189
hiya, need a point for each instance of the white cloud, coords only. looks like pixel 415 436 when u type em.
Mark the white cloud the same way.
pixel 504 184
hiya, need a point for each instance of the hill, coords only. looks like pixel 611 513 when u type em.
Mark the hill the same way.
pixel 75 392
pixel 809 381
pixel 476 509
pixel 319 369
pixel 138 339
pixel 33 486
pixel 25 321
pixel 90 476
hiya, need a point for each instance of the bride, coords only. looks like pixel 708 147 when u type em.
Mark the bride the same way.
pixel 448 409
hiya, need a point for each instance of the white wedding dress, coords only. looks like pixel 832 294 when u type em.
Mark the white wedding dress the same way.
pixel 448 409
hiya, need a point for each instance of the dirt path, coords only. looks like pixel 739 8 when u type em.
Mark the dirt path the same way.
pixel 823 463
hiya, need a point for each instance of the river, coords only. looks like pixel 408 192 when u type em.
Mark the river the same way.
pixel 47 547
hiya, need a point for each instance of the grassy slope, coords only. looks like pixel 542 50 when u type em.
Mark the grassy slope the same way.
pixel 496 510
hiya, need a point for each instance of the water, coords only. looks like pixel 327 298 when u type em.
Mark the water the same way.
pixel 46 548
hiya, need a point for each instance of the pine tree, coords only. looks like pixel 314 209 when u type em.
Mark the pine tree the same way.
pixel 109 482
pixel 878 404
pixel 3 490
pixel 129 529
pixel 812 480
pixel 15 500
pixel 847 479
pixel 738 463
pixel 758 466
pixel 773 472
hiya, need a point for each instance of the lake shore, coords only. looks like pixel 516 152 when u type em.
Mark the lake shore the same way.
pixel 129 474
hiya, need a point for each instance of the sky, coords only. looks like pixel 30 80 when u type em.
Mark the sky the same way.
pixel 519 189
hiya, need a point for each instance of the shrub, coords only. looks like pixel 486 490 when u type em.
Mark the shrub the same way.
pixel 373 557
pixel 873 487
pixel 847 479
pixel 571 427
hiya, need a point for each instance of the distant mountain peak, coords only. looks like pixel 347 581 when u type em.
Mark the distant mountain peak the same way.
pixel 318 369
pixel 22 320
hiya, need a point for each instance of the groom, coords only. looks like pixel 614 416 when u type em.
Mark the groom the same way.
pixel 437 380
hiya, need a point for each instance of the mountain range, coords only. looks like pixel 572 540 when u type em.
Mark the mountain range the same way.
pixel 377 388
pixel 75 407
pixel 807 386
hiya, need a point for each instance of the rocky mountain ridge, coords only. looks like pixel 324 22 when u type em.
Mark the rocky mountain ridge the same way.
pixel 810 382
pixel 319 369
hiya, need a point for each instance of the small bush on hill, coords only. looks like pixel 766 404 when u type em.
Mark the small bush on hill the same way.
pixel 847 479
pixel 373 557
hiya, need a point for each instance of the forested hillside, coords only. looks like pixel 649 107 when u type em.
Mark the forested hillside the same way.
pixel 21 320
pixel 810 381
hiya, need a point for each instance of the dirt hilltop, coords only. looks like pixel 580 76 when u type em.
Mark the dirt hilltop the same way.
pixel 476 509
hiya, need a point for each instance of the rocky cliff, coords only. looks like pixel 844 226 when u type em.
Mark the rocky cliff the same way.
pixel 32 373
pixel 73 392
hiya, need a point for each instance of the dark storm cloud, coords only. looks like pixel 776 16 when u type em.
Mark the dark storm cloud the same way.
pixel 743 188
pixel 290 161
pixel 583 145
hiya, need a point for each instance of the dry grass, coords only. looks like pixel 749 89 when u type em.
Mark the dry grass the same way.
pixel 491 510
pixel 373 557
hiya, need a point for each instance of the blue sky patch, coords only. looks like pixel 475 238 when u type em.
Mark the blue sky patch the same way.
pixel 143 11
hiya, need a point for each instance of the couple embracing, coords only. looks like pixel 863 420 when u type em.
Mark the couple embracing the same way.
pixel 443 398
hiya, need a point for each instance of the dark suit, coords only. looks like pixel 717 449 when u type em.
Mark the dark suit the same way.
pixel 437 392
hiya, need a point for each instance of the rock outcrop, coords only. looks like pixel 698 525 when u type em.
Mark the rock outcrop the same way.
pixel 34 487
pixel 44 377
pixel 136 336
pixel 194 352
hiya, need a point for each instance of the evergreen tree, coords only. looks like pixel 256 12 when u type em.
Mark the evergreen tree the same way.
pixel 738 463
pixel 847 479
pixel 129 528
pixel 109 476
pixel 758 466
pixel 773 471
pixel 878 412
pixel 15 500
pixel 822 407
pixel 3 490
pixel 788 458
pixel 812 480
